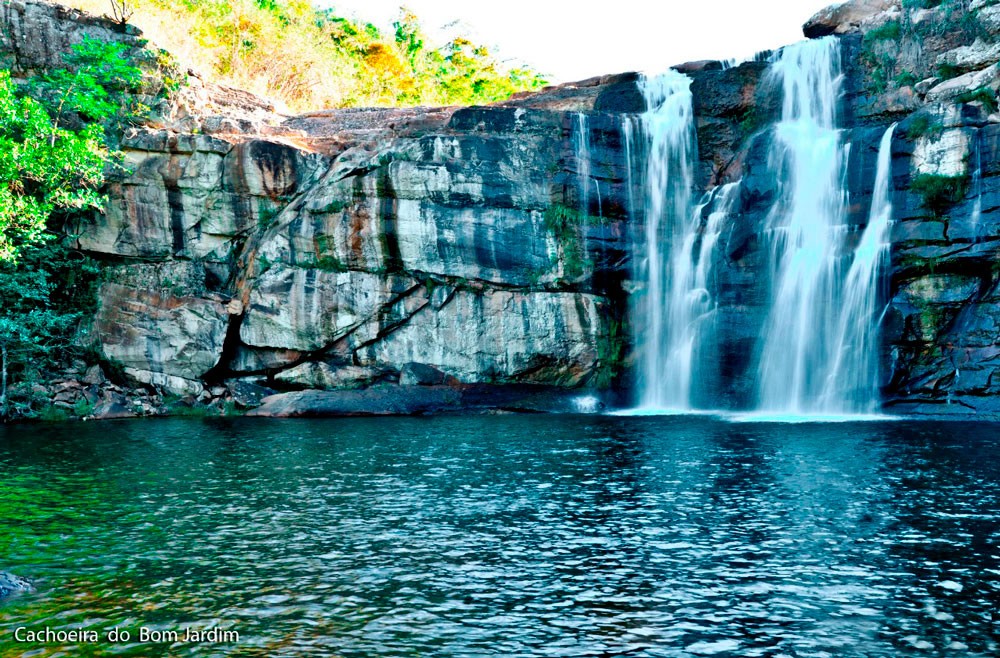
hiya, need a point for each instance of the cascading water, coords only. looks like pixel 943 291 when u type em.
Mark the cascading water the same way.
pixel 582 147
pixel 818 354
pixel 692 297
pixel 677 246
pixel 804 230
pixel 855 372
pixel 819 336
pixel 628 132
pixel 977 182
pixel 668 126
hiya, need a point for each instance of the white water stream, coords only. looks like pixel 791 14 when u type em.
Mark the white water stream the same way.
pixel 818 352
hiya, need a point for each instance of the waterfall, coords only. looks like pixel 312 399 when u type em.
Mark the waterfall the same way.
pixel 583 157
pixel 672 304
pixel 696 303
pixel 977 184
pixel 804 229
pixel 855 373
pixel 628 131
pixel 817 355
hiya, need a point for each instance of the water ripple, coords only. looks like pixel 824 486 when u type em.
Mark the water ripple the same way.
pixel 572 536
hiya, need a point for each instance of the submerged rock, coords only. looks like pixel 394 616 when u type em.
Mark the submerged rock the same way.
pixel 419 400
pixel 11 585
pixel 388 401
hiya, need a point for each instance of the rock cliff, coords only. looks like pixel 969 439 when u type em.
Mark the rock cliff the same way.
pixel 345 249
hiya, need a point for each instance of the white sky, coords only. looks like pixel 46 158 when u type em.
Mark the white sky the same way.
pixel 574 40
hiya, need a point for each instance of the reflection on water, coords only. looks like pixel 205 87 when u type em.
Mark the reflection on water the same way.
pixel 510 536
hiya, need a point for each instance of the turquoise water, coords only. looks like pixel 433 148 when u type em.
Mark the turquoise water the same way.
pixel 506 536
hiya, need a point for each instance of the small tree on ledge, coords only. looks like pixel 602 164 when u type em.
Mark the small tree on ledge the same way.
pixel 121 12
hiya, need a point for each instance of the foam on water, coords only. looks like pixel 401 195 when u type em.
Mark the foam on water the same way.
pixel 664 411
pixel 764 417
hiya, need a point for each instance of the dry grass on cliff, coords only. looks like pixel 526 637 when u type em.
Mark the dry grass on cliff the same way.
pixel 305 59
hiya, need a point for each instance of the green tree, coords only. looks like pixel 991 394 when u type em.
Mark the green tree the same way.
pixel 309 58
pixel 43 169
pixel 47 167
pixel 99 84
pixel 54 153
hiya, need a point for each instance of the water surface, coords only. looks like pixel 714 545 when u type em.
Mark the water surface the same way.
pixel 508 536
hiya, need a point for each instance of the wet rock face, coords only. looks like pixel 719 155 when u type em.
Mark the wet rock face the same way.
pixel 194 196
pixel 461 251
pixel 940 333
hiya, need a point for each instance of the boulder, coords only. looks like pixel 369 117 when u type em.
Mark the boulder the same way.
pixel 319 375
pixel 248 393
pixel 948 90
pixel 926 85
pixel 420 374
pixel 161 325
pixel 94 376
pixel 113 407
pixel 846 17
pixel 972 57
pixel 382 401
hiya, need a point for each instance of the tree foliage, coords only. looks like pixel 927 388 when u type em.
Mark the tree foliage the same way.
pixel 43 169
pixel 309 58
pixel 98 85
pixel 54 153
pixel 53 141
pixel 43 297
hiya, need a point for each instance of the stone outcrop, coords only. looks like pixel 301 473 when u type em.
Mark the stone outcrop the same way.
pixel 37 34
pixel 845 17
pixel 416 259
pixel 395 400
pixel 331 249
pixel 159 327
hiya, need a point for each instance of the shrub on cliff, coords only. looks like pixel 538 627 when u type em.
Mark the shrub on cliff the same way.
pixel 940 192
pixel 99 85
